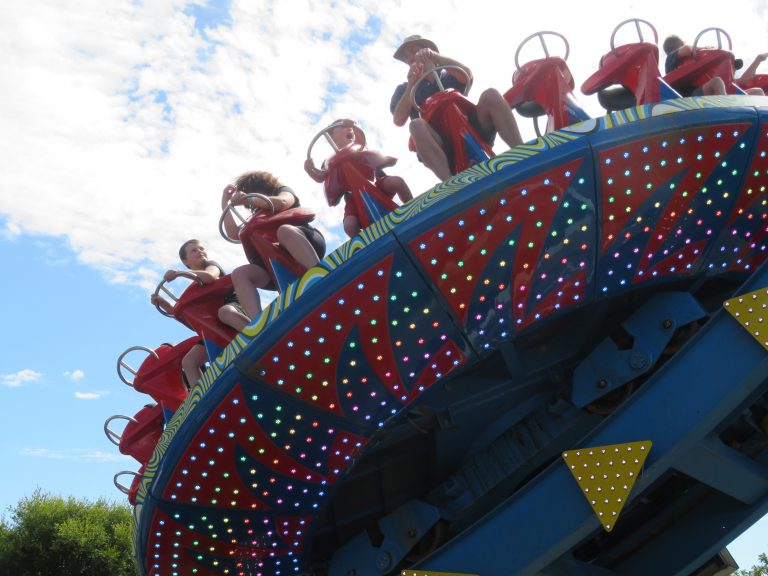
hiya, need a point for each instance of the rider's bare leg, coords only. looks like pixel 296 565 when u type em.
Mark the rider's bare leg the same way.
pixel 429 146
pixel 495 115
pixel 351 225
pixel 293 240
pixel 192 363
pixel 231 316
pixel 392 185
pixel 714 86
pixel 247 280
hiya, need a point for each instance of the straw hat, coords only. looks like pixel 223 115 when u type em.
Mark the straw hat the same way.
pixel 414 40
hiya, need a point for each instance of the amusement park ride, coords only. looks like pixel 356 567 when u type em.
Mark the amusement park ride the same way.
pixel 555 362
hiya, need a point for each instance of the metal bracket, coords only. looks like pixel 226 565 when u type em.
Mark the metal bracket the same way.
pixel 402 529
pixel 651 328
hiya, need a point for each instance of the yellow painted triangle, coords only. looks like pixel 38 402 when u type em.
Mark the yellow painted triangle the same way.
pixel 424 573
pixel 751 311
pixel 606 475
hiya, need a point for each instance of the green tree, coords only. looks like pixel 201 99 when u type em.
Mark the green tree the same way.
pixel 759 570
pixel 48 535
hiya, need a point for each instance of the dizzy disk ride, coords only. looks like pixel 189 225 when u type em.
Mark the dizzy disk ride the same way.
pixel 552 363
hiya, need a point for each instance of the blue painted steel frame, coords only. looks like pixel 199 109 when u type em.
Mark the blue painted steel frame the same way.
pixel 708 382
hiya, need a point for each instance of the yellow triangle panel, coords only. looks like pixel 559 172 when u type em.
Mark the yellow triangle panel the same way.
pixel 424 573
pixel 751 311
pixel 606 475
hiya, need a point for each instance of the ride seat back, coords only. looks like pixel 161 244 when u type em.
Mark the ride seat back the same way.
pixel 544 85
pixel 132 490
pixel 141 434
pixel 705 64
pixel 259 239
pixel 628 76
pixel 353 170
pixel 198 307
pixel 161 376
pixel 450 114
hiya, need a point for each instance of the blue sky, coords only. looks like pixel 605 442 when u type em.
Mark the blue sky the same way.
pixel 121 125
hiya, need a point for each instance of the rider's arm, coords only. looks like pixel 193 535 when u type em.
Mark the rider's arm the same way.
pixel 210 274
pixel 281 201
pixel 401 103
pixel 227 196
pixel 316 174
pixel 684 51
pixel 158 300
pixel 440 60
pixel 749 73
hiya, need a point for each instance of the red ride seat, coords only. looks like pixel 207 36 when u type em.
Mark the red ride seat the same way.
pixel 160 374
pixel 543 86
pixel 259 238
pixel 135 483
pixel 353 170
pixel 757 81
pixel 707 63
pixel 198 308
pixel 449 113
pixel 628 76
pixel 141 434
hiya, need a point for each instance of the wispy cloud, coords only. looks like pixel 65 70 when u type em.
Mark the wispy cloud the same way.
pixel 75 375
pixel 76 454
pixel 11 231
pixel 88 395
pixel 20 378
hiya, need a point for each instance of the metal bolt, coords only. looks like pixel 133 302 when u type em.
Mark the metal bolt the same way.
pixel 602 383
pixel 667 324
pixel 351 572
pixel 638 361
pixel 383 561
pixel 412 533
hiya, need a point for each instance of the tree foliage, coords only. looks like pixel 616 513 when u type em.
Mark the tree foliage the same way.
pixel 760 569
pixel 49 535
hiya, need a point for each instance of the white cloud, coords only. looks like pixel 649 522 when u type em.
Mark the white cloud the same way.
pixel 20 378
pixel 88 395
pixel 11 231
pixel 141 133
pixel 77 454
pixel 75 375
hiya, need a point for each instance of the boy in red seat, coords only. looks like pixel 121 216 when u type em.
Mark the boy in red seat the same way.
pixel 677 51
pixel 345 135
pixel 193 255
